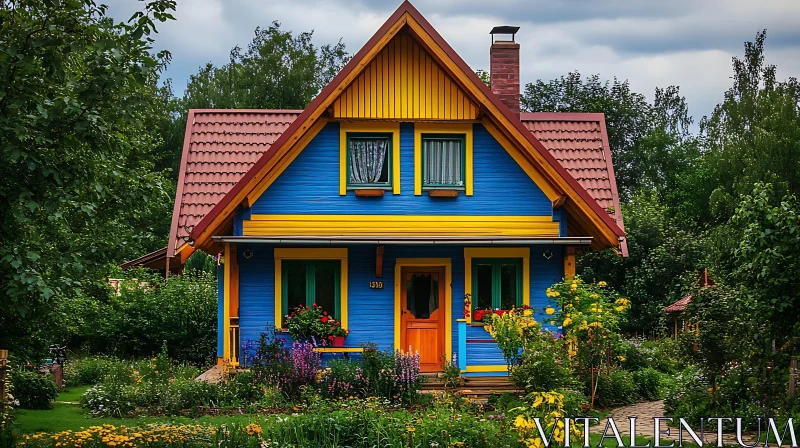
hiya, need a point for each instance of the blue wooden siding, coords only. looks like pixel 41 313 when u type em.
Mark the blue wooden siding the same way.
pixel 310 185
pixel 371 311
pixel 220 311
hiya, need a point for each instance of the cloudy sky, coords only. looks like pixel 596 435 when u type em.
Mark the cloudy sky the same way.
pixel 648 42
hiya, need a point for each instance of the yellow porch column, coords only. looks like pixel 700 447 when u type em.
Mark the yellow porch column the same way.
pixel 569 263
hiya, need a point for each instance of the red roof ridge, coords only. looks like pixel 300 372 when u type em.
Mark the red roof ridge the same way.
pixel 561 116
pixel 247 111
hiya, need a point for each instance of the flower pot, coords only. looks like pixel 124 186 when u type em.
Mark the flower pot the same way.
pixel 338 341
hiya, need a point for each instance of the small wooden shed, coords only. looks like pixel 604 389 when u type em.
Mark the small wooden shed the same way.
pixel 676 311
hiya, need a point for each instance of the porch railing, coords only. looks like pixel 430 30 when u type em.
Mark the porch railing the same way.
pixel 234 344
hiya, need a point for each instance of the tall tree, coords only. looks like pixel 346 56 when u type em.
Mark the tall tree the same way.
pixel 76 104
pixel 642 136
pixel 753 135
pixel 278 70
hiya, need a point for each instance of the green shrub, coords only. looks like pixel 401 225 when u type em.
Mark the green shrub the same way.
pixel 244 388
pixel 575 402
pixel 689 396
pixel 663 355
pixel 150 311
pixel 33 390
pixel 539 370
pixel 342 378
pixel 616 388
pixel 87 371
pixel 649 384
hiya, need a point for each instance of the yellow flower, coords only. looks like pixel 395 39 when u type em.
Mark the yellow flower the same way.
pixel 527 313
pixel 519 421
pixel 549 310
pixel 602 284
pixel 410 429
pixel 567 321
pixel 621 358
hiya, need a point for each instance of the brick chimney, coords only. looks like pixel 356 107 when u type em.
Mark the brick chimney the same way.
pixel 504 67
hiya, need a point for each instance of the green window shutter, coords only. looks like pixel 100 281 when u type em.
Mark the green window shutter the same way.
pixel 505 282
pixel 305 282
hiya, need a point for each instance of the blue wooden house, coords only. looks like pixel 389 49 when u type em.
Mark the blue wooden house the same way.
pixel 406 195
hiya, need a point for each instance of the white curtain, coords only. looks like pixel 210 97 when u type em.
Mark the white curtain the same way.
pixel 367 157
pixel 443 162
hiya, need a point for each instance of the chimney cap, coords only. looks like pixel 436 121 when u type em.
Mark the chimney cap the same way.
pixel 505 29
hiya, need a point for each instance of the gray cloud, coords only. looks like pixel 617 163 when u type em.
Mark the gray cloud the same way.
pixel 651 43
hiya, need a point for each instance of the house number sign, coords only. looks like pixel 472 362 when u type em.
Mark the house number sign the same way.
pixel 376 285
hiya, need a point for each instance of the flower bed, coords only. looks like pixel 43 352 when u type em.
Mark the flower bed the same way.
pixel 450 422
pixel 161 435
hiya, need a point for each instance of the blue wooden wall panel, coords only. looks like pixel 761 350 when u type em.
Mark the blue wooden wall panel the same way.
pixel 310 184
pixel 371 311
pixel 256 291
pixel 220 311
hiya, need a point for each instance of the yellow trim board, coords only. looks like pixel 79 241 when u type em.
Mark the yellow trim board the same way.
pixel 448 297
pixel 399 225
pixel 442 128
pixel 310 254
pixel 485 369
pixel 498 252
pixel 363 126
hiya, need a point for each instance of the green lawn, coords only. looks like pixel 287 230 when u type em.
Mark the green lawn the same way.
pixel 65 416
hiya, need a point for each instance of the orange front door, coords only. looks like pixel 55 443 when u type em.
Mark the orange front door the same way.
pixel 422 315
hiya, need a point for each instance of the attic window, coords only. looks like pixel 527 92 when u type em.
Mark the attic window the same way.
pixel 443 164
pixel 369 161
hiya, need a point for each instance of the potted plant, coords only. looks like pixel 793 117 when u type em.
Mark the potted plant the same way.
pixel 337 334
pixel 308 323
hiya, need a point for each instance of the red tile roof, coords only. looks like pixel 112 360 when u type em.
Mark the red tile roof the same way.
pixel 224 144
pixel 579 142
pixel 679 306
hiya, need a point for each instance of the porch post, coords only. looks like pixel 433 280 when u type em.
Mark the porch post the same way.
pixel 232 263
pixel 569 263
pixel 462 344
pixel 220 315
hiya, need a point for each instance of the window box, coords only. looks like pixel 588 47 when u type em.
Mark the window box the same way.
pixel 369 192
pixel 443 193
pixel 479 315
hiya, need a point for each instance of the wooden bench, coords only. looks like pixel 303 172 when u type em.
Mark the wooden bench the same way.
pixel 343 350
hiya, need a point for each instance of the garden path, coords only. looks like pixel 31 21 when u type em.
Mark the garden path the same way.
pixel 644 413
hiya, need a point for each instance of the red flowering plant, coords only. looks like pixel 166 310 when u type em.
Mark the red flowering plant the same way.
pixel 336 329
pixel 308 323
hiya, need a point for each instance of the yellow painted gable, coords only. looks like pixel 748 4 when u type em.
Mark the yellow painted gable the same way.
pixel 404 82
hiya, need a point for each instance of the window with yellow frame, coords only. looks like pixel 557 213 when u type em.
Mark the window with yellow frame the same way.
pixel 304 276
pixel 443 157
pixel 488 269
pixel 369 156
